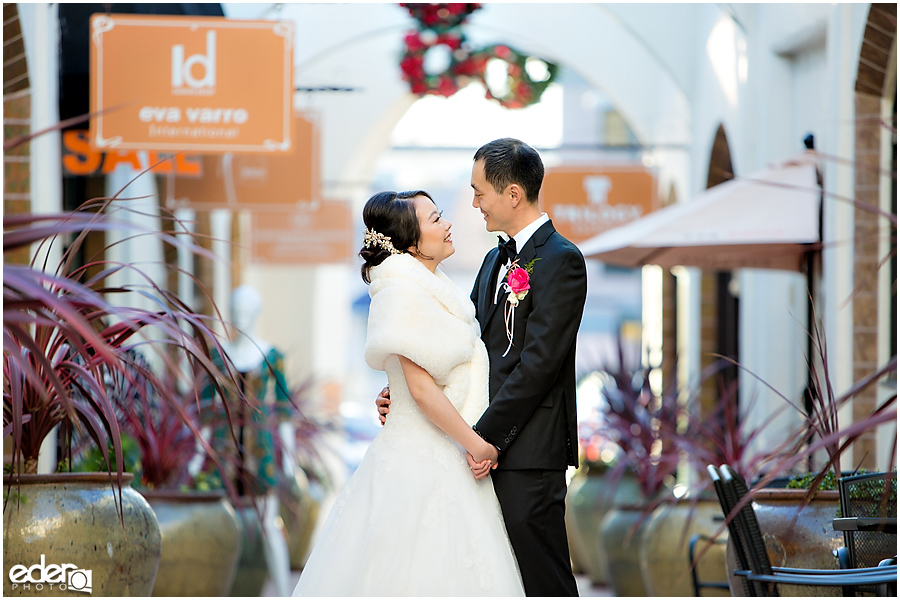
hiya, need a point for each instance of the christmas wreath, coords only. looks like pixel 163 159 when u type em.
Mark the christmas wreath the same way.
pixel 418 44
pixel 522 89
pixel 439 39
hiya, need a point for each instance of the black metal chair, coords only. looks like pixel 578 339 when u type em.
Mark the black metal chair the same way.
pixel 758 576
pixel 695 579
pixel 871 495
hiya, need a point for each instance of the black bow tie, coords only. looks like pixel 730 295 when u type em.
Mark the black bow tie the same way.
pixel 507 250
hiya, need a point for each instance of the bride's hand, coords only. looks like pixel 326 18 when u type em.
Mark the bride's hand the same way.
pixel 486 451
pixel 383 403
pixel 484 459
pixel 480 470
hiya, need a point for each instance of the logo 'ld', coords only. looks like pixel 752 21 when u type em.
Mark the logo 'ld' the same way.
pixel 183 69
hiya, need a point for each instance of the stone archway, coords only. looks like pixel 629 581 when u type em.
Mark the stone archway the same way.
pixel 876 105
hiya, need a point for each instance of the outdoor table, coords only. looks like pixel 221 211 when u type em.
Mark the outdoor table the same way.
pixel 882 524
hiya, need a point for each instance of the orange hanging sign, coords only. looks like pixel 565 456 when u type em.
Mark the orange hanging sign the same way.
pixel 201 84
pixel 320 232
pixel 586 201
pixel 257 182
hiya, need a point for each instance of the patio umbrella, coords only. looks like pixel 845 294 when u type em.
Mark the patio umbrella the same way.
pixel 767 220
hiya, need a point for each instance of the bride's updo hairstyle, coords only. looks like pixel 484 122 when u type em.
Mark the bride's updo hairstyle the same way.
pixel 393 216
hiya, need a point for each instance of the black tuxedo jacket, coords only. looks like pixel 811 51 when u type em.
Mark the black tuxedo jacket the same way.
pixel 531 417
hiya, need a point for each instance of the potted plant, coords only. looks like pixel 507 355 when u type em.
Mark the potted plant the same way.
pixel 702 439
pixel 201 534
pixel 795 519
pixel 589 496
pixel 636 420
pixel 63 336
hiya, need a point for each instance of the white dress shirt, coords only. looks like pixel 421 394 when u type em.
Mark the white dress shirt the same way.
pixel 521 239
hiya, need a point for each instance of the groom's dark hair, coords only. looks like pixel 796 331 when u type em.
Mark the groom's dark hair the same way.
pixel 392 214
pixel 509 160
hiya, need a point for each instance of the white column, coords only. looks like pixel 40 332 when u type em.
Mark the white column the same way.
pixel 838 215
pixel 40 32
pixel 688 326
pixel 185 222
pixel 773 342
pixel 220 229
pixel 651 319
pixel 137 205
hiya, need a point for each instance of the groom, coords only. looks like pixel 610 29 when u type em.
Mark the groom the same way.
pixel 530 340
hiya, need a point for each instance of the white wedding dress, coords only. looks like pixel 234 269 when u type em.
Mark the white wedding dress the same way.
pixel 412 520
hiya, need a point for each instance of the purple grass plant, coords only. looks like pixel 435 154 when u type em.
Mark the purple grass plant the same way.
pixel 67 333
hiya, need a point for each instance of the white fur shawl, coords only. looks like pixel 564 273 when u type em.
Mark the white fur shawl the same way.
pixel 423 316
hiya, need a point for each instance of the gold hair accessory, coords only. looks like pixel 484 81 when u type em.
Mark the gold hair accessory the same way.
pixel 373 238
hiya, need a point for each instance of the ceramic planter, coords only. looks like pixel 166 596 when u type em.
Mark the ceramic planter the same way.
pixel 252 569
pixel 577 551
pixel 71 519
pixel 201 543
pixel 665 569
pixel 299 514
pixel 620 536
pixel 800 538
pixel 588 500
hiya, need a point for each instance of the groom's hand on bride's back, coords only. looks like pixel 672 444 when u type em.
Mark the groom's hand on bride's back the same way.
pixel 383 403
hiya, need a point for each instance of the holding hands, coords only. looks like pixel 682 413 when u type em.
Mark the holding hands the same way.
pixel 481 462
pixel 481 469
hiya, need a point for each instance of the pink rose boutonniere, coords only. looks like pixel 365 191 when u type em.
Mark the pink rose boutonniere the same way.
pixel 518 284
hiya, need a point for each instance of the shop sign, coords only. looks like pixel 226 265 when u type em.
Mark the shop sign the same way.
pixel 586 201
pixel 254 181
pixel 201 84
pixel 320 232
pixel 80 159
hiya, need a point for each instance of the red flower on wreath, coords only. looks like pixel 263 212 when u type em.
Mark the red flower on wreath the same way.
pixel 413 42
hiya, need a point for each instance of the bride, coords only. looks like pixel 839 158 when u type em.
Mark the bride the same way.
pixel 412 520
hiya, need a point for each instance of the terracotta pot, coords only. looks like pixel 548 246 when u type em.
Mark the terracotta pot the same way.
pixel 299 514
pixel 800 538
pixel 665 568
pixel 71 518
pixel 252 569
pixel 201 543
pixel 586 505
pixel 621 531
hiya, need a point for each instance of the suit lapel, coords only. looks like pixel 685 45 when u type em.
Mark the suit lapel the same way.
pixel 488 289
pixel 526 255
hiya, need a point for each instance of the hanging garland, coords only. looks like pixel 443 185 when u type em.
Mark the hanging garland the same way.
pixel 418 44
pixel 439 39
pixel 522 89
